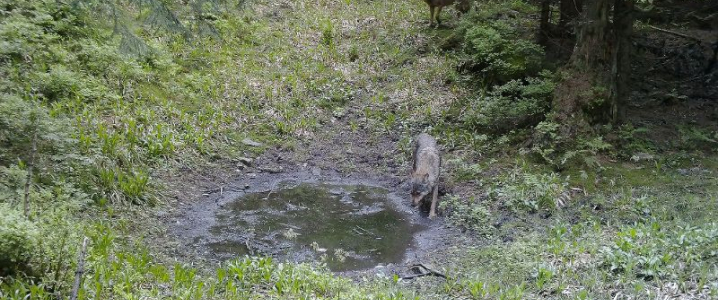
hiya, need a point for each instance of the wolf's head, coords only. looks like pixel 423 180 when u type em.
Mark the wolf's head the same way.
pixel 420 186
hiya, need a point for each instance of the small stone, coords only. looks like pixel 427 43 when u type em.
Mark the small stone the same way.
pixel 271 170
pixel 246 186
pixel 642 156
pixel 252 175
pixel 245 161
pixel 339 113
pixel 316 171
pixel 250 142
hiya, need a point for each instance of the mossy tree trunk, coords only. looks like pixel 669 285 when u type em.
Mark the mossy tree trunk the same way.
pixel 621 62
pixel 598 84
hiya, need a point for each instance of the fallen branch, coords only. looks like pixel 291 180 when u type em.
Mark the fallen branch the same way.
pixel 685 36
pixel 80 270
pixel 427 272
pixel 220 190
pixel 28 180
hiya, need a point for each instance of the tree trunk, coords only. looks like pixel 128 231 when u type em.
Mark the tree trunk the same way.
pixel 621 62
pixel 544 29
pixel 597 89
pixel 570 10
pixel 591 49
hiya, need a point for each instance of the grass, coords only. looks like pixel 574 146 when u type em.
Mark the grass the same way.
pixel 634 231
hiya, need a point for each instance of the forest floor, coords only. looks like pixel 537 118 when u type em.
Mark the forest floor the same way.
pixel 401 83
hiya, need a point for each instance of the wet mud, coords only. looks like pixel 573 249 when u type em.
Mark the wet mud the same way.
pixel 348 224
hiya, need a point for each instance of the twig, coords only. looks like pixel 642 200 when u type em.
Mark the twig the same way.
pixel 685 36
pixel 219 190
pixel 362 229
pixel 271 190
pixel 80 270
pixel 30 164
pixel 428 271
pixel 246 243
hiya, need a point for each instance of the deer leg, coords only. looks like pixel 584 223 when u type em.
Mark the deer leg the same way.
pixel 438 11
pixel 431 16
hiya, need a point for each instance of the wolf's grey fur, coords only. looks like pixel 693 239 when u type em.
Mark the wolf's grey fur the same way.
pixel 426 171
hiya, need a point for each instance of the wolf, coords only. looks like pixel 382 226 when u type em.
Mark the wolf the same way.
pixel 425 174
pixel 463 6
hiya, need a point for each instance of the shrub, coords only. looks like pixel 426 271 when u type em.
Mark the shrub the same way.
pixel 18 238
pixel 514 105
pixel 469 214
pixel 532 192
pixel 498 44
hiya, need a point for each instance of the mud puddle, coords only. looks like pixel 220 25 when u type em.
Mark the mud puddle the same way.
pixel 347 224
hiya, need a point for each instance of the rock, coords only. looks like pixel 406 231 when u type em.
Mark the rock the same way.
pixel 271 170
pixel 642 156
pixel 316 171
pixel 339 113
pixel 252 175
pixel 250 142
pixel 245 161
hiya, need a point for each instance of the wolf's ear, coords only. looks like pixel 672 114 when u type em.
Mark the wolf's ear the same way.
pixel 426 176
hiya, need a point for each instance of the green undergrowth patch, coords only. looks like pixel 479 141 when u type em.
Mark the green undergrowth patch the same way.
pixel 119 269
pixel 101 100
pixel 591 260
pixel 635 228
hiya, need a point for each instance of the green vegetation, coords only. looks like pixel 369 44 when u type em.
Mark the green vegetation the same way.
pixel 104 105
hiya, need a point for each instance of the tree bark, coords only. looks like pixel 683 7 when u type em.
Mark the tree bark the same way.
pixel 621 62
pixel 570 10
pixel 591 49
pixel 544 25
pixel 599 86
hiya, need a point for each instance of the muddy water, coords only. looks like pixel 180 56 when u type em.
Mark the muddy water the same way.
pixel 349 227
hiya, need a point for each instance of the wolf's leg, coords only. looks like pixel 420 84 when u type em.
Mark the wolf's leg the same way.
pixel 432 212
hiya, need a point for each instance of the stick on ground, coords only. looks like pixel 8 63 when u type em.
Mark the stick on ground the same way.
pixel 424 271
pixel 80 270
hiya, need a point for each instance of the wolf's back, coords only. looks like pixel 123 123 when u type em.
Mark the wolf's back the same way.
pixel 426 157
